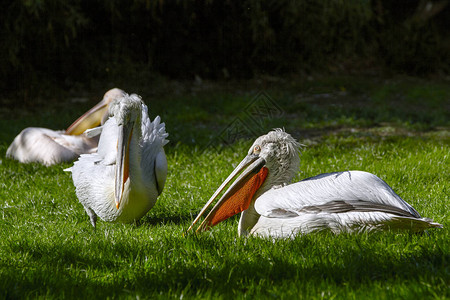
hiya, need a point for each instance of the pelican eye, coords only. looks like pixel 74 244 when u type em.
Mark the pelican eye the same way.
pixel 256 149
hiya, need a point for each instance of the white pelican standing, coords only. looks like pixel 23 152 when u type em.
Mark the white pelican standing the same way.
pixel 49 147
pixel 351 201
pixel 123 179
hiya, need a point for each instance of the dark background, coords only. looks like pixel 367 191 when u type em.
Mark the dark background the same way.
pixel 61 43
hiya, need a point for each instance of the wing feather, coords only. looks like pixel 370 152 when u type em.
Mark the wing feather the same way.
pixel 47 146
pixel 334 193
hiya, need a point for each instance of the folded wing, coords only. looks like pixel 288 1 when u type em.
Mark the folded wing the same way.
pixel 342 201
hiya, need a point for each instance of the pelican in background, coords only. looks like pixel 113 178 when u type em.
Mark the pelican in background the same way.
pixel 49 147
pixel 123 179
pixel 351 201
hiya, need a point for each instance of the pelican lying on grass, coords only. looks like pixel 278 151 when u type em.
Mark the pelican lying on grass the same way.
pixel 351 201
pixel 123 179
pixel 50 147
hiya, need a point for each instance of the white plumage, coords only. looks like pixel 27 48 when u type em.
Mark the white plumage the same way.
pixel 351 201
pixel 49 147
pixel 122 180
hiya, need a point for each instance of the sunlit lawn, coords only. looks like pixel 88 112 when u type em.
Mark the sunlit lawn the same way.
pixel 396 129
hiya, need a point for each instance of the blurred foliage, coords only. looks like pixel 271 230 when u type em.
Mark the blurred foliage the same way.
pixel 68 41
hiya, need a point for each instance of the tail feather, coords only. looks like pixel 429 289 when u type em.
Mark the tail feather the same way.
pixel 411 224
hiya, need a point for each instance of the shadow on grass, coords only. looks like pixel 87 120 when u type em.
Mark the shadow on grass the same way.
pixel 312 107
pixel 164 220
pixel 210 264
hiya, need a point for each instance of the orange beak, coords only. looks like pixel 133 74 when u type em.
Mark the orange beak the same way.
pixel 238 196
pixel 123 160
pixel 96 115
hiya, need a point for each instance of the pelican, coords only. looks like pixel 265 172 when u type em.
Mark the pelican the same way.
pixel 123 179
pixel 351 201
pixel 49 147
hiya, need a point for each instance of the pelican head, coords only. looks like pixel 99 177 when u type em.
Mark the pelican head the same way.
pixel 127 111
pixel 273 159
pixel 96 115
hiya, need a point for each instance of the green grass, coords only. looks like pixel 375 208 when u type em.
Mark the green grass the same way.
pixel 50 250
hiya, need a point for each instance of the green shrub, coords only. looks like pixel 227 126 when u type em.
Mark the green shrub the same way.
pixel 84 41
